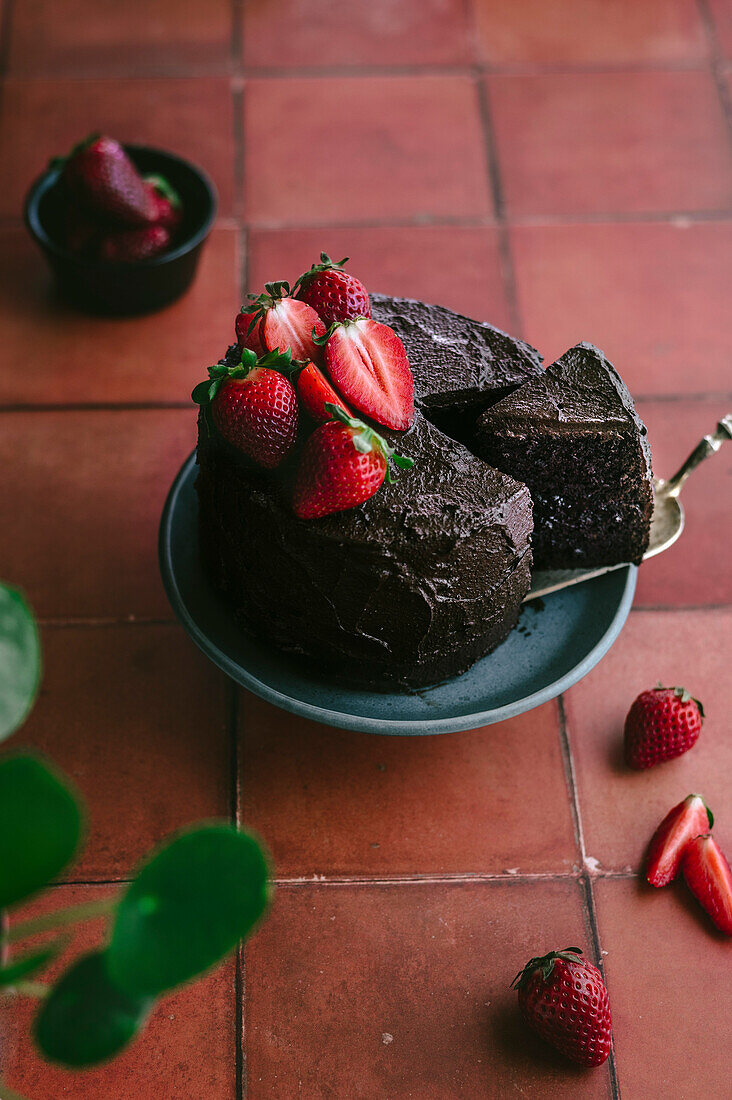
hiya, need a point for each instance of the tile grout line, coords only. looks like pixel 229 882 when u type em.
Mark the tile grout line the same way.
pixel 585 876
pixel 237 93
pixel 569 778
pixel 508 272
pixel 234 803
pixel 549 219
pixel 587 887
pixel 717 64
pixel 458 878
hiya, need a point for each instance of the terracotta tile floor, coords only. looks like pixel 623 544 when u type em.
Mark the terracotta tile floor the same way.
pixel 563 170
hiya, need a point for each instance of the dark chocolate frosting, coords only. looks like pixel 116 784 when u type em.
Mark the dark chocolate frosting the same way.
pixel 460 366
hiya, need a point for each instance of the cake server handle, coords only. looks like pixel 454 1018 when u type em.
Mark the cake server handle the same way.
pixel 709 445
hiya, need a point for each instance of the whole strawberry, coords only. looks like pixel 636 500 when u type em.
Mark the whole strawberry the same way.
pixel 283 322
pixel 253 406
pixel 564 999
pixel 100 174
pixel 131 245
pixel 661 724
pixel 343 463
pixel 332 292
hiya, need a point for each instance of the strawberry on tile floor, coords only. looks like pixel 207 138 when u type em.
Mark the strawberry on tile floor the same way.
pixel 564 173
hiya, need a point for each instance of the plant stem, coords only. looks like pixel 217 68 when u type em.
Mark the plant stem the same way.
pixel 75 913
pixel 30 989
pixel 8 1094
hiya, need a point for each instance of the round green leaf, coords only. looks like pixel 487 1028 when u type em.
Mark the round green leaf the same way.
pixel 20 660
pixel 86 1019
pixel 26 965
pixel 40 827
pixel 189 906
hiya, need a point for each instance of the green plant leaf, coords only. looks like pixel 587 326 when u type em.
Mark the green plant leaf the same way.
pixel 86 1019
pixel 26 965
pixel 189 906
pixel 40 827
pixel 20 660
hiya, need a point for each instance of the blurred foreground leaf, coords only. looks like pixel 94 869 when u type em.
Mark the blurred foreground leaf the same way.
pixel 40 827
pixel 86 1019
pixel 26 965
pixel 20 660
pixel 189 906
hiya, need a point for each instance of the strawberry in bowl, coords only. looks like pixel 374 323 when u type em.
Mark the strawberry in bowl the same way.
pixel 122 227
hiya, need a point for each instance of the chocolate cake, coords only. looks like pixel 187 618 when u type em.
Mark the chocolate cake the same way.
pixel 417 583
pixel 573 436
pixel 428 575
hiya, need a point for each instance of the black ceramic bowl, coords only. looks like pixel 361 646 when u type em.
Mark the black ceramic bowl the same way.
pixel 125 288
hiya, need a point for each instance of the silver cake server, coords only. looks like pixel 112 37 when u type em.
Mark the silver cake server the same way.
pixel 666 525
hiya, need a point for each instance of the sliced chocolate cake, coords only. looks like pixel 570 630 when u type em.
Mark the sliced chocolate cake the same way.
pixel 573 436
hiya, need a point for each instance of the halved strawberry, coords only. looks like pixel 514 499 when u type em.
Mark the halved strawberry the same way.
pixel 666 850
pixel 369 365
pixel 248 332
pixel 709 878
pixel 286 322
pixel 315 391
pixel 343 463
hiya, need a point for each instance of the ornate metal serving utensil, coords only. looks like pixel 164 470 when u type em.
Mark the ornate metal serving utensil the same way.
pixel 666 525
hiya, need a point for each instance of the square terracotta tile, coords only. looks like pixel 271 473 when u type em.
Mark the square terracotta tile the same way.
pixel 121 707
pixel 102 37
pixel 668 994
pixel 363 148
pixel 82 493
pixel 486 800
pixel 696 570
pixel 186 1050
pixel 40 119
pixel 455 266
pixel 402 991
pixel 590 143
pixel 621 808
pixel 722 22
pixel 652 296
pixel 311 34
pixel 589 32
pixel 155 358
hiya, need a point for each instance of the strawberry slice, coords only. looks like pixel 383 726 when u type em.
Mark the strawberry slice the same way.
pixel 248 334
pixel 709 878
pixel 314 391
pixel 286 322
pixel 666 850
pixel 369 366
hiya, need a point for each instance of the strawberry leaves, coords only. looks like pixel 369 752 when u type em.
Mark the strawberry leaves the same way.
pixel 366 440
pixel 204 392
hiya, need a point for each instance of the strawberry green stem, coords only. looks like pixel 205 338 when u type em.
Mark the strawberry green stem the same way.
pixel 367 439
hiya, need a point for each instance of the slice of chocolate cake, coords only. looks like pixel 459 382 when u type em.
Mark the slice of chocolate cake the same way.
pixel 573 436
